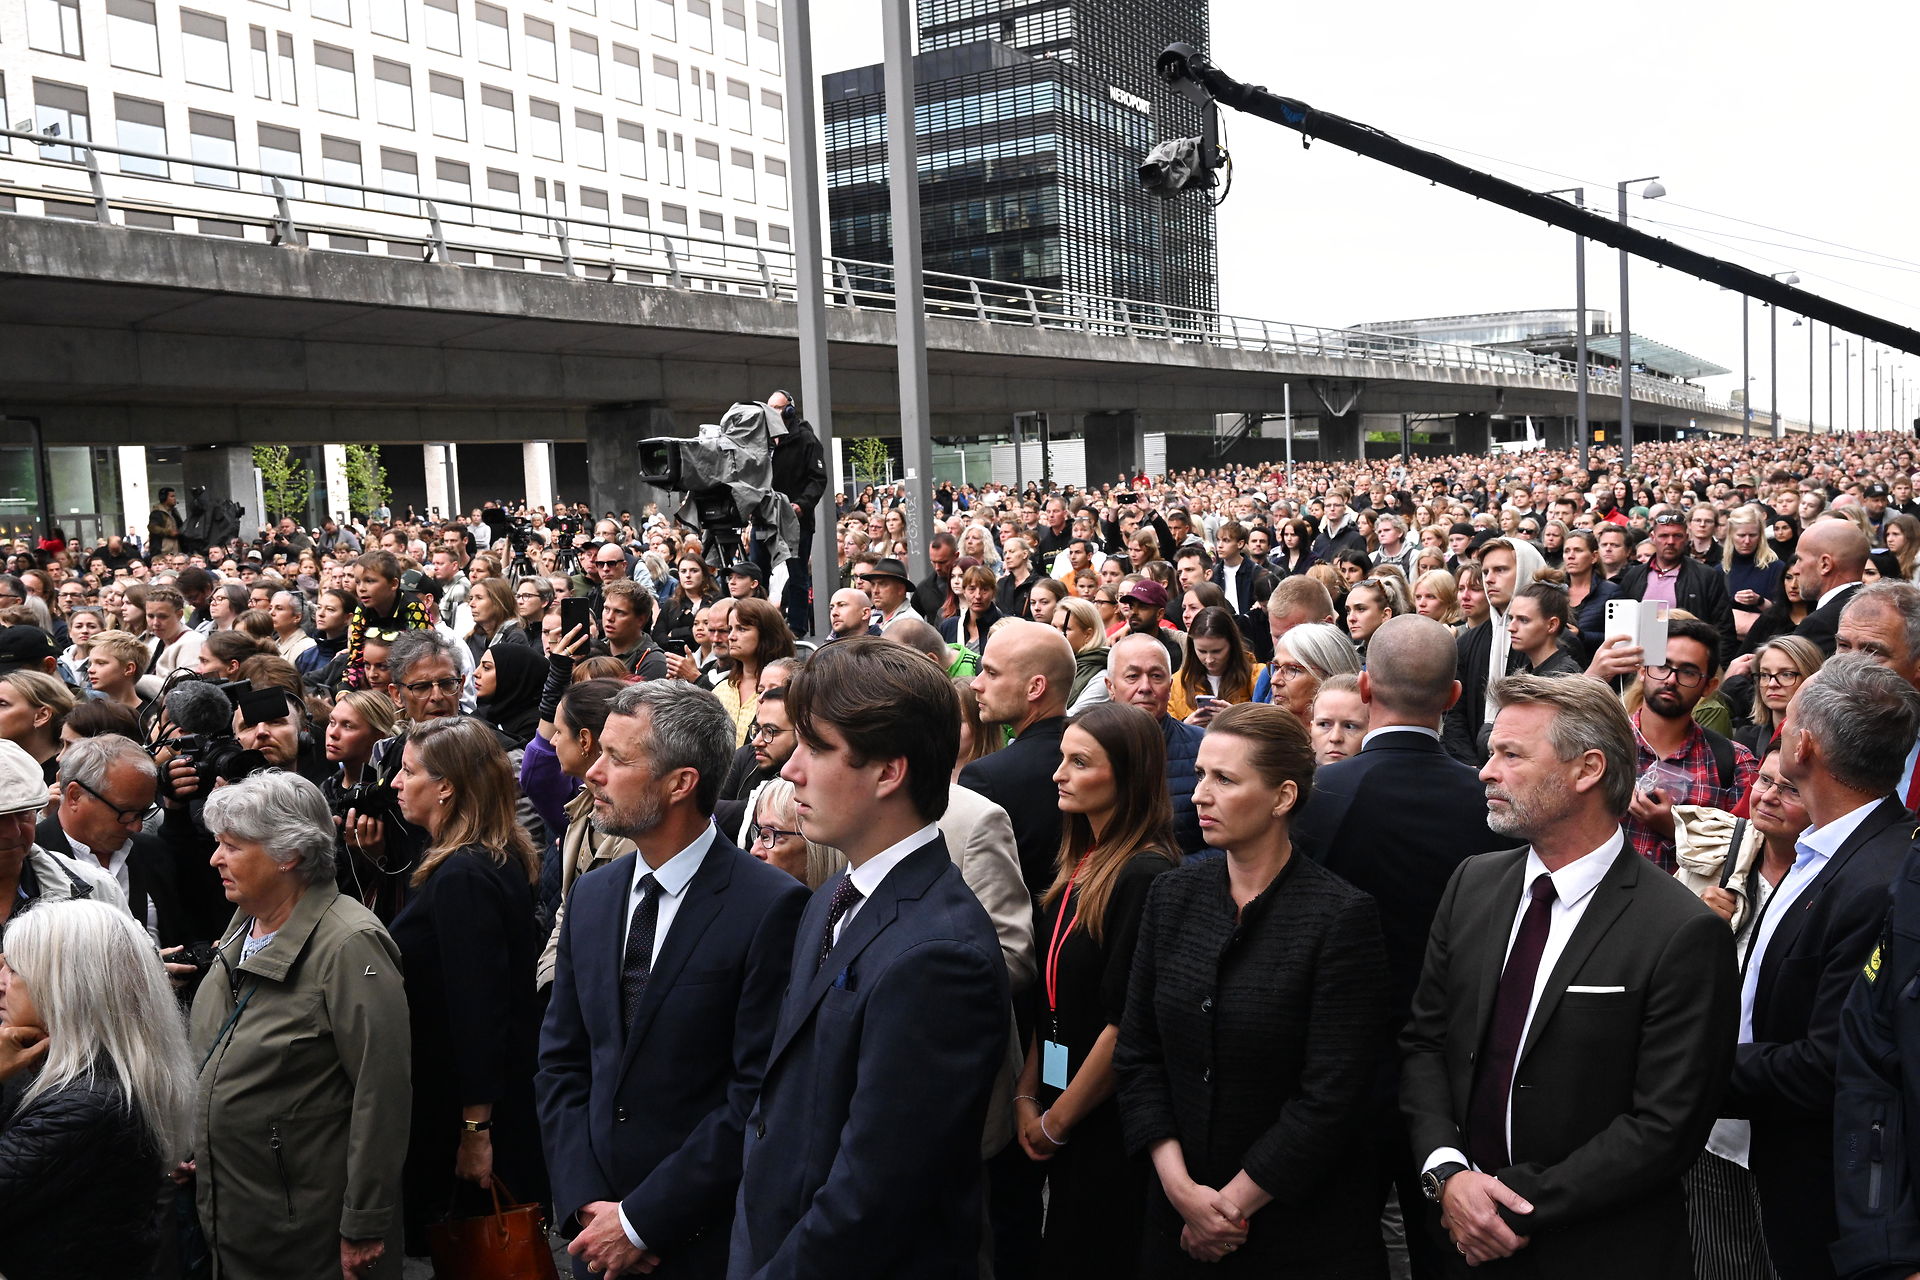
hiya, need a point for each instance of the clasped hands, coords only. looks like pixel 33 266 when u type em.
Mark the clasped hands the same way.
pixel 1215 1226
pixel 603 1245
pixel 1469 1210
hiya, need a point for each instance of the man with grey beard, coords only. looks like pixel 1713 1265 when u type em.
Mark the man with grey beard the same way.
pixel 643 1100
pixel 1573 1030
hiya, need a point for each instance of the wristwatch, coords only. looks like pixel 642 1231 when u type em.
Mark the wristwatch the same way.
pixel 475 1126
pixel 1435 1178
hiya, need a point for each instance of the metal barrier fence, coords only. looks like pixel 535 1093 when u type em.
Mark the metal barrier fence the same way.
pixel 332 213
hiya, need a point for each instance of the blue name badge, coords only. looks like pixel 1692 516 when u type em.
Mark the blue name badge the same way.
pixel 1053 1064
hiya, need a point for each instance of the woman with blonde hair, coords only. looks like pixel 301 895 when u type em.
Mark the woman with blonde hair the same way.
pixel 1436 595
pixel 1754 572
pixel 1079 621
pixel 33 706
pixel 774 836
pixel 469 950
pixel 86 1007
pixel 1780 666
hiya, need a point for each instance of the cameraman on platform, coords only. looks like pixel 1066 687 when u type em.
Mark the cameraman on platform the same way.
pixel 799 476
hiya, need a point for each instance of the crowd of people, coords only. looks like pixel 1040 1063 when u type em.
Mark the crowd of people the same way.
pixel 1358 869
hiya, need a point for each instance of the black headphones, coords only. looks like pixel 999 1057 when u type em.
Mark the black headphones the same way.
pixel 790 410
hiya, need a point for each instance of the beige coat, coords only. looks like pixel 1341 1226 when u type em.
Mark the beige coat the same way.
pixel 300 1121
pixel 581 850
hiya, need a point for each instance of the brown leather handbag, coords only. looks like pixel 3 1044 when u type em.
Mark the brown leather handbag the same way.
pixel 508 1244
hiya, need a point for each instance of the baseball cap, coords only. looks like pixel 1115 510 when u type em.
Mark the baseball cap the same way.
pixel 1876 490
pixel 24 646
pixel 22 785
pixel 744 569
pixel 420 583
pixel 1148 592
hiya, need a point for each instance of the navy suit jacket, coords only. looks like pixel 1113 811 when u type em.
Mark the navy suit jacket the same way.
pixel 653 1118
pixel 863 1153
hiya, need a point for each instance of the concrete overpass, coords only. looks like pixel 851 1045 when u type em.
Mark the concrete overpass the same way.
pixel 230 328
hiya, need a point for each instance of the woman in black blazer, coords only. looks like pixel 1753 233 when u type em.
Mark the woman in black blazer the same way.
pixel 1255 1017
pixel 469 949
pixel 1117 837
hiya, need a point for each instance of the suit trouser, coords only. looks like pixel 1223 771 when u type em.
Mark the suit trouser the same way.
pixel 1398 1169
pixel 1723 1217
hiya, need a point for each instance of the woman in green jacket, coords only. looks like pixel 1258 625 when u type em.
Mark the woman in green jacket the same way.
pixel 301 1036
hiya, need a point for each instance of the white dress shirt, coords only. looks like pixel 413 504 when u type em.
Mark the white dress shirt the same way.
pixel 673 876
pixel 1815 847
pixel 116 866
pixel 1573 887
pixel 1371 734
pixel 867 876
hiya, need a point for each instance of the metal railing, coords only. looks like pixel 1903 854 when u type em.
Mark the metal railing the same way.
pixel 333 213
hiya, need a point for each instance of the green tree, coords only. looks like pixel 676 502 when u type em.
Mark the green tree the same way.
pixel 285 483
pixel 367 486
pixel 869 457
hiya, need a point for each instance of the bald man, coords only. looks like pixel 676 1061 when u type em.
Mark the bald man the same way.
pixel 1025 675
pixel 1394 820
pixel 1828 561
pixel 849 613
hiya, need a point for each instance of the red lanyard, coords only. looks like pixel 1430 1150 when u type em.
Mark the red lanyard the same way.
pixel 1059 941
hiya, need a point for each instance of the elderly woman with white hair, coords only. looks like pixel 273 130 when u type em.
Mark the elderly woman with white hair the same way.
pixel 86 1011
pixel 1303 656
pixel 302 1039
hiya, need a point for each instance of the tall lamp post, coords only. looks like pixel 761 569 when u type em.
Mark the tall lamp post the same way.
pixel 1746 376
pixel 1831 344
pixel 1652 191
pixel 1579 326
pixel 1773 355
pixel 1796 324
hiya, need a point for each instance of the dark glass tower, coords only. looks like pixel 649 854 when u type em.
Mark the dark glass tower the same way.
pixel 1032 118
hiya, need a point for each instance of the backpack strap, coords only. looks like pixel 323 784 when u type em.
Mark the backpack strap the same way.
pixel 1733 850
pixel 1722 748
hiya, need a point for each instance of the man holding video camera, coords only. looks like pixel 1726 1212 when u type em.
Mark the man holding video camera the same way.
pixel 800 476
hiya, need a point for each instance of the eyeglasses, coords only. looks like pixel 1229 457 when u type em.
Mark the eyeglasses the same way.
pixel 125 817
pixel 420 688
pixel 1685 677
pixel 1786 789
pixel 755 732
pixel 1787 678
pixel 611 564
pixel 757 834
pixel 1291 671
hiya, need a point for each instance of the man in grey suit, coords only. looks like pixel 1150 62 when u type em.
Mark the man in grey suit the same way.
pixel 1574 1025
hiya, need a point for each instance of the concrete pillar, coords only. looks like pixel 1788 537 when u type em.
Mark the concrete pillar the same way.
pixel 135 501
pixel 1115 445
pixel 1341 437
pixel 453 506
pixel 333 462
pixel 536 465
pixel 1472 433
pixel 438 463
pixel 613 457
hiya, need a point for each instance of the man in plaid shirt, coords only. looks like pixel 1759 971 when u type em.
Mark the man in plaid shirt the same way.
pixel 1678 752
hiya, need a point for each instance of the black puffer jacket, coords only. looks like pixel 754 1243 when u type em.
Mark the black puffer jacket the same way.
pixel 78 1179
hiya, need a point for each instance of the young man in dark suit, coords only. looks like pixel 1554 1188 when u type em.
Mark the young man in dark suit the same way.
pixel 1812 940
pixel 1394 821
pixel 1574 1025
pixel 669 971
pixel 863 1151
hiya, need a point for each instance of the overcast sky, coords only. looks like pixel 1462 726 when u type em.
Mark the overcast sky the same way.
pixel 1795 117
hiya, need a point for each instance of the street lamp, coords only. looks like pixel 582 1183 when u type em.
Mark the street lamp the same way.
pixel 1652 191
pixel 1580 325
pixel 1773 355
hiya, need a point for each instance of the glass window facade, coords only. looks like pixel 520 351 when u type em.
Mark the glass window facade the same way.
pixel 1029 138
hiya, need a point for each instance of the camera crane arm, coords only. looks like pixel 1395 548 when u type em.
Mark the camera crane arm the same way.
pixel 1190 73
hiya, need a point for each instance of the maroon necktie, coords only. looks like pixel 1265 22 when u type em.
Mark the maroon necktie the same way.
pixel 1493 1081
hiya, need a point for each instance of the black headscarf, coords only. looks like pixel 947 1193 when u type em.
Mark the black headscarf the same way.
pixel 514 708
